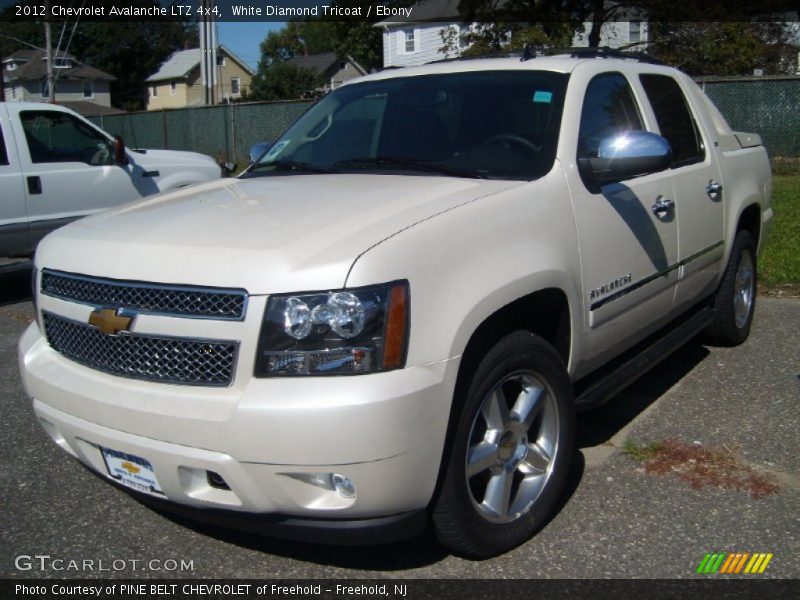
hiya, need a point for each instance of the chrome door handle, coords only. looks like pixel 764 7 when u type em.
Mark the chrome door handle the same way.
pixel 663 205
pixel 713 189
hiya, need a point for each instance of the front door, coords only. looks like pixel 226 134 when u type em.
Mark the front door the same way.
pixel 69 170
pixel 626 246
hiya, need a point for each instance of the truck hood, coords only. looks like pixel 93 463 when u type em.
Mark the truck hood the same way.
pixel 162 158
pixel 267 235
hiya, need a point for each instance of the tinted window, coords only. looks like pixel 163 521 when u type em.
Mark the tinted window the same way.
pixel 674 118
pixel 493 124
pixel 3 152
pixel 608 108
pixel 58 137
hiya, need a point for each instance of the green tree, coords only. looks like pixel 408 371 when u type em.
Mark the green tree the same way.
pixel 356 37
pixel 727 48
pixel 284 81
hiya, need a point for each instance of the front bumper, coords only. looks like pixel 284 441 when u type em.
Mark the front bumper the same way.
pixel 384 432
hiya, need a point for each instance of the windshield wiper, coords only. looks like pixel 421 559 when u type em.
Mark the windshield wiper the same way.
pixel 409 163
pixel 290 165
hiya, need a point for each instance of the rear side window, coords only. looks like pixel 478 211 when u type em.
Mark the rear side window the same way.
pixel 3 151
pixel 608 108
pixel 674 119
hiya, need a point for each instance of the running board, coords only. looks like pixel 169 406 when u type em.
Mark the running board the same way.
pixel 643 358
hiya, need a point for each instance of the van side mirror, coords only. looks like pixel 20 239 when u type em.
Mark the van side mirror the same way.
pixel 120 157
pixel 624 156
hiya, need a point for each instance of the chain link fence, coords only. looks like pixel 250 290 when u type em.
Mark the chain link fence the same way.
pixel 769 106
pixel 224 132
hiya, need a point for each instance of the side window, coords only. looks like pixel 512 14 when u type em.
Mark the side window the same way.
pixel 608 108
pixel 59 137
pixel 3 151
pixel 674 118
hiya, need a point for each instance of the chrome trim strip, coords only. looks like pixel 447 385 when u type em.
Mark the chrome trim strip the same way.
pixel 654 276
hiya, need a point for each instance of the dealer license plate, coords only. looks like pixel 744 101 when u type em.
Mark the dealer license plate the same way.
pixel 131 470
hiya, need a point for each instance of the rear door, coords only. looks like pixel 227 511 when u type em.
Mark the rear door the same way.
pixel 13 214
pixel 699 198
pixel 69 169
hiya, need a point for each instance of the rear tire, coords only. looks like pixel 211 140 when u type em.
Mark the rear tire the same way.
pixel 511 451
pixel 735 300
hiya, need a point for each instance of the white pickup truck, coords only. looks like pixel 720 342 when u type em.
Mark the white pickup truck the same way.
pixel 55 167
pixel 390 319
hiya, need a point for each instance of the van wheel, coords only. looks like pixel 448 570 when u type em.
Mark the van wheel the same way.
pixel 735 301
pixel 511 451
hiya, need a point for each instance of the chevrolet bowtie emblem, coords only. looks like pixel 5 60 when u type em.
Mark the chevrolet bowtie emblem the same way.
pixel 130 468
pixel 108 321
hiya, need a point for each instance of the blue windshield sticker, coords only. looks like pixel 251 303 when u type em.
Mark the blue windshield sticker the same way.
pixel 540 96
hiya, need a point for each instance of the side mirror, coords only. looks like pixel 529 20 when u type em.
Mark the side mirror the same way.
pixel 120 157
pixel 258 150
pixel 624 156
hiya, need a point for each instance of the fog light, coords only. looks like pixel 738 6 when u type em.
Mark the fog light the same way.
pixel 327 481
pixel 216 480
pixel 343 485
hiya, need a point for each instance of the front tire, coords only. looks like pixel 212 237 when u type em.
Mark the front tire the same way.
pixel 735 301
pixel 511 451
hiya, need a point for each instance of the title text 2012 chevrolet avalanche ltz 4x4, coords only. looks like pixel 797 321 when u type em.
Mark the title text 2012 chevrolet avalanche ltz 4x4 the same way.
pixel 391 318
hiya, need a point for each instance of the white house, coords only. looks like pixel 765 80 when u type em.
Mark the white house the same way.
pixel 417 39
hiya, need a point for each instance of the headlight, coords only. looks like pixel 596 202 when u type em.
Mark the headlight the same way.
pixel 342 332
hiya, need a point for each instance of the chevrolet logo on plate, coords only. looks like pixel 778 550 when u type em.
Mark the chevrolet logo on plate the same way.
pixel 109 321
pixel 130 468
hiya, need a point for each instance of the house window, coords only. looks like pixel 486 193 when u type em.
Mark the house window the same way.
pixel 61 63
pixel 236 86
pixel 154 91
pixel 88 88
pixel 45 89
pixel 172 88
pixel 635 31
pixel 220 60
pixel 409 41
pixel 13 91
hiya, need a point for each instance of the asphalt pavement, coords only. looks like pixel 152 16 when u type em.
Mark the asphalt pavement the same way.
pixel 616 519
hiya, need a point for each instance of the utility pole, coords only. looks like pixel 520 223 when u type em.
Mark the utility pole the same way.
pixel 51 88
pixel 208 51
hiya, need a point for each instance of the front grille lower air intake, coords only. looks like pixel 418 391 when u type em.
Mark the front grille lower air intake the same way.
pixel 184 361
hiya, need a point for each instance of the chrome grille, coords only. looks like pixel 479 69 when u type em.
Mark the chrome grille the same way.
pixel 197 302
pixel 152 358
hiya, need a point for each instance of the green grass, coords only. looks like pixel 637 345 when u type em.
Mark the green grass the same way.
pixel 641 453
pixel 779 267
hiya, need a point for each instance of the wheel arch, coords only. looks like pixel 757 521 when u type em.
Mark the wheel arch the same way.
pixel 545 312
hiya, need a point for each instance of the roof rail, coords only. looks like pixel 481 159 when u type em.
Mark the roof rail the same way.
pixel 530 51
pixel 601 52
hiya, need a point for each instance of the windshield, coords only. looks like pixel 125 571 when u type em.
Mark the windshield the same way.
pixel 486 124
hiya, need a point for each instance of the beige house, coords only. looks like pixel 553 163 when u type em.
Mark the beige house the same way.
pixel 25 79
pixel 177 82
